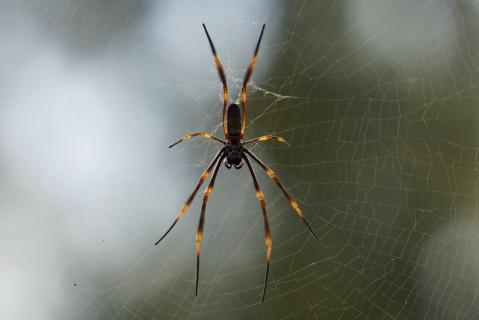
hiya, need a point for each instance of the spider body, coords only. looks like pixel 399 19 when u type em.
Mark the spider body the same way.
pixel 234 153
pixel 233 121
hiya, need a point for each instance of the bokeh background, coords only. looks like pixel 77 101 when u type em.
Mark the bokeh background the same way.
pixel 378 98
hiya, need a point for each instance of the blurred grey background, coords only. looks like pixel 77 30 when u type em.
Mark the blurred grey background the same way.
pixel 378 99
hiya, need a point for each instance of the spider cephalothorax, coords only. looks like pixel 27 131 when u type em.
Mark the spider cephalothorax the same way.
pixel 234 153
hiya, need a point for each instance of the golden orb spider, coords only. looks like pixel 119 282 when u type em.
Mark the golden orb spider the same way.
pixel 233 153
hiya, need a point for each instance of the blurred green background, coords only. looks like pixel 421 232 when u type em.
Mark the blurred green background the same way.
pixel 378 99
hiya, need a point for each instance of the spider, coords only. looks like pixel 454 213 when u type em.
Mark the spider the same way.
pixel 233 153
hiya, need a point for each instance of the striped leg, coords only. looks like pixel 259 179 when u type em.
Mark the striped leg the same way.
pixel 247 76
pixel 266 138
pixel 199 233
pixel 260 196
pixel 275 178
pixel 196 134
pixel 222 75
pixel 192 196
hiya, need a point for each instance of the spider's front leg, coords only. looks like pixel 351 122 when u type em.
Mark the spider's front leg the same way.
pixel 267 138
pixel 197 134
pixel 192 196
pixel 260 196
pixel 199 233
pixel 275 178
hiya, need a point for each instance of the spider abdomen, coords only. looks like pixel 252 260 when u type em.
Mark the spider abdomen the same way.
pixel 233 116
pixel 234 153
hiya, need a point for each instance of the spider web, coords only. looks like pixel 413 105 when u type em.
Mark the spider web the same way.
pixel 377 99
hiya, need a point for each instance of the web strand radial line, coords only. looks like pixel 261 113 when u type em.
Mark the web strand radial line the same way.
pixel 199 233
pixel 222 75
pixel 197 134
pixel 247 77
pixel 262 201
pixel 192 196
pixel 275 178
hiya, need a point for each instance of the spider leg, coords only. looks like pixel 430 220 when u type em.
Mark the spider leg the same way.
pixel 246 80
pixel 222 75
pixel 196 134
pixel 266 138
pixel 260 196
pixel 292 202
pixel 192 196
pixel 199 233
